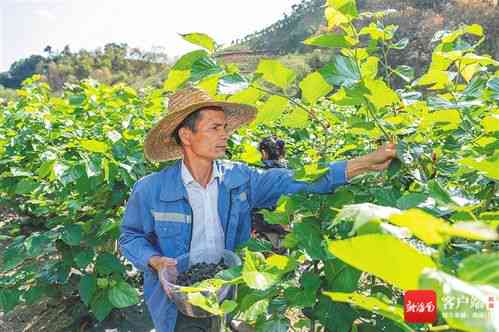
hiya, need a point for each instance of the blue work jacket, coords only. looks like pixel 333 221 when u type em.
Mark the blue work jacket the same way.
pixel 158 217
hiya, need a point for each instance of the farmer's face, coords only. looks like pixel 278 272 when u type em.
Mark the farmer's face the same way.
pixel 209 141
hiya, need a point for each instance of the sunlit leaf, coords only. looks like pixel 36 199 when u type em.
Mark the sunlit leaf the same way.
pixel 200 39
pixel 313 87
pixel 274 72
pixel 384 256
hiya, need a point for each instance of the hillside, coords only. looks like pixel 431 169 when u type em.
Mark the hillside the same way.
pixel 112 64
pixel 418 20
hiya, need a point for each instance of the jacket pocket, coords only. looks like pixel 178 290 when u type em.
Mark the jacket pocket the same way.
pixel 168 224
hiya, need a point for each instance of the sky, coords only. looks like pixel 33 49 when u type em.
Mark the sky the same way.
pixel 27 26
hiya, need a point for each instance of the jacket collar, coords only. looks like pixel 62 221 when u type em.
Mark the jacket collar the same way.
pixel 173 188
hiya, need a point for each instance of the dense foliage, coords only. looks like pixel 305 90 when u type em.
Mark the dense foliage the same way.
pixel 430 221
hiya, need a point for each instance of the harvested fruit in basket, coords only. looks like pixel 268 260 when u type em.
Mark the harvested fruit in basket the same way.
pixel 199 272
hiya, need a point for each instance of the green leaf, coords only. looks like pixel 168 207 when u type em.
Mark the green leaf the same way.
pixel 107 263
pixel 72 234
pixel 76 100
pixel 200 39
pixel 26 186
pixel 405 72
pixel 480 268
pixel 183 68
pixel 9 298
pixel 341 276
pixel 87 288
pixel 228 306
pixel 380 94
pixel 309 238
pixel 335 316
pixel 123 295
pixel 313 87
pixel 36 244
pixel 14 254
pixel 45 169
pixel 275 73
pixel 390 311
pixel 83 258
pixel 438 193
pixel 331 40
pixel 384 256
pixel 297 118
pixel 275 325
pixel 401 44
pixel 100 305
pixel 464 306
pixel 260 280
pixel 411 200
pixel 204 67
pixel 34 294
pixel 342 72
pixel 94 146
pixel 272 110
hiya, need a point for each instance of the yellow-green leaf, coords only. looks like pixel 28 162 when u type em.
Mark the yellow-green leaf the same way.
pixel 297 118
pixel 276 73
pixel 272 110
pixel 421 224
pixel 446 119
pixel 313 87
pixel 489 167
pixel 381 95
pixel 437 79
pixel 472 230
pixel 176 78
pixel 200 39
pixel 250 154
pixel 384 256
pixel 247 96
pixel 209 85
pixel 331 40
pixel 94 146
pixel 491 123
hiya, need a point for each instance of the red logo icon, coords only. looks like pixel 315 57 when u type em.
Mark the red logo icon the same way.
pixel 420 306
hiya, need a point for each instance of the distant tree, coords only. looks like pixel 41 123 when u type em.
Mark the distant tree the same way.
pixel 20 70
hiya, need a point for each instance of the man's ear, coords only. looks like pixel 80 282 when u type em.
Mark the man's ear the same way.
pixel 185 135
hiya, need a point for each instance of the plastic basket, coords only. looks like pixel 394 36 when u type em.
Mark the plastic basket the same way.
pixel 168 277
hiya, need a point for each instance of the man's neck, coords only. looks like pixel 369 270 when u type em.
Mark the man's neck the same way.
pixel 199 168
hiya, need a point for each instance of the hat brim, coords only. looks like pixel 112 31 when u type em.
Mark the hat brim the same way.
pixel 160 145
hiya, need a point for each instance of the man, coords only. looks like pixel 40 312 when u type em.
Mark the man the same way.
pixel 201 203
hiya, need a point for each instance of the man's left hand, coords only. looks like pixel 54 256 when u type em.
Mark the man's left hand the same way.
pixel 374 161
pixel 381 158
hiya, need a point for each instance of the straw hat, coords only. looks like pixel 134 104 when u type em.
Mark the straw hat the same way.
pixel 160 144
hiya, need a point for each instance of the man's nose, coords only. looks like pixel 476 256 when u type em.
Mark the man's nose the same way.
pixel 224 133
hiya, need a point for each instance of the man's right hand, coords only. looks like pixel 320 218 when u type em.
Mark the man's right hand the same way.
pixel 159 262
